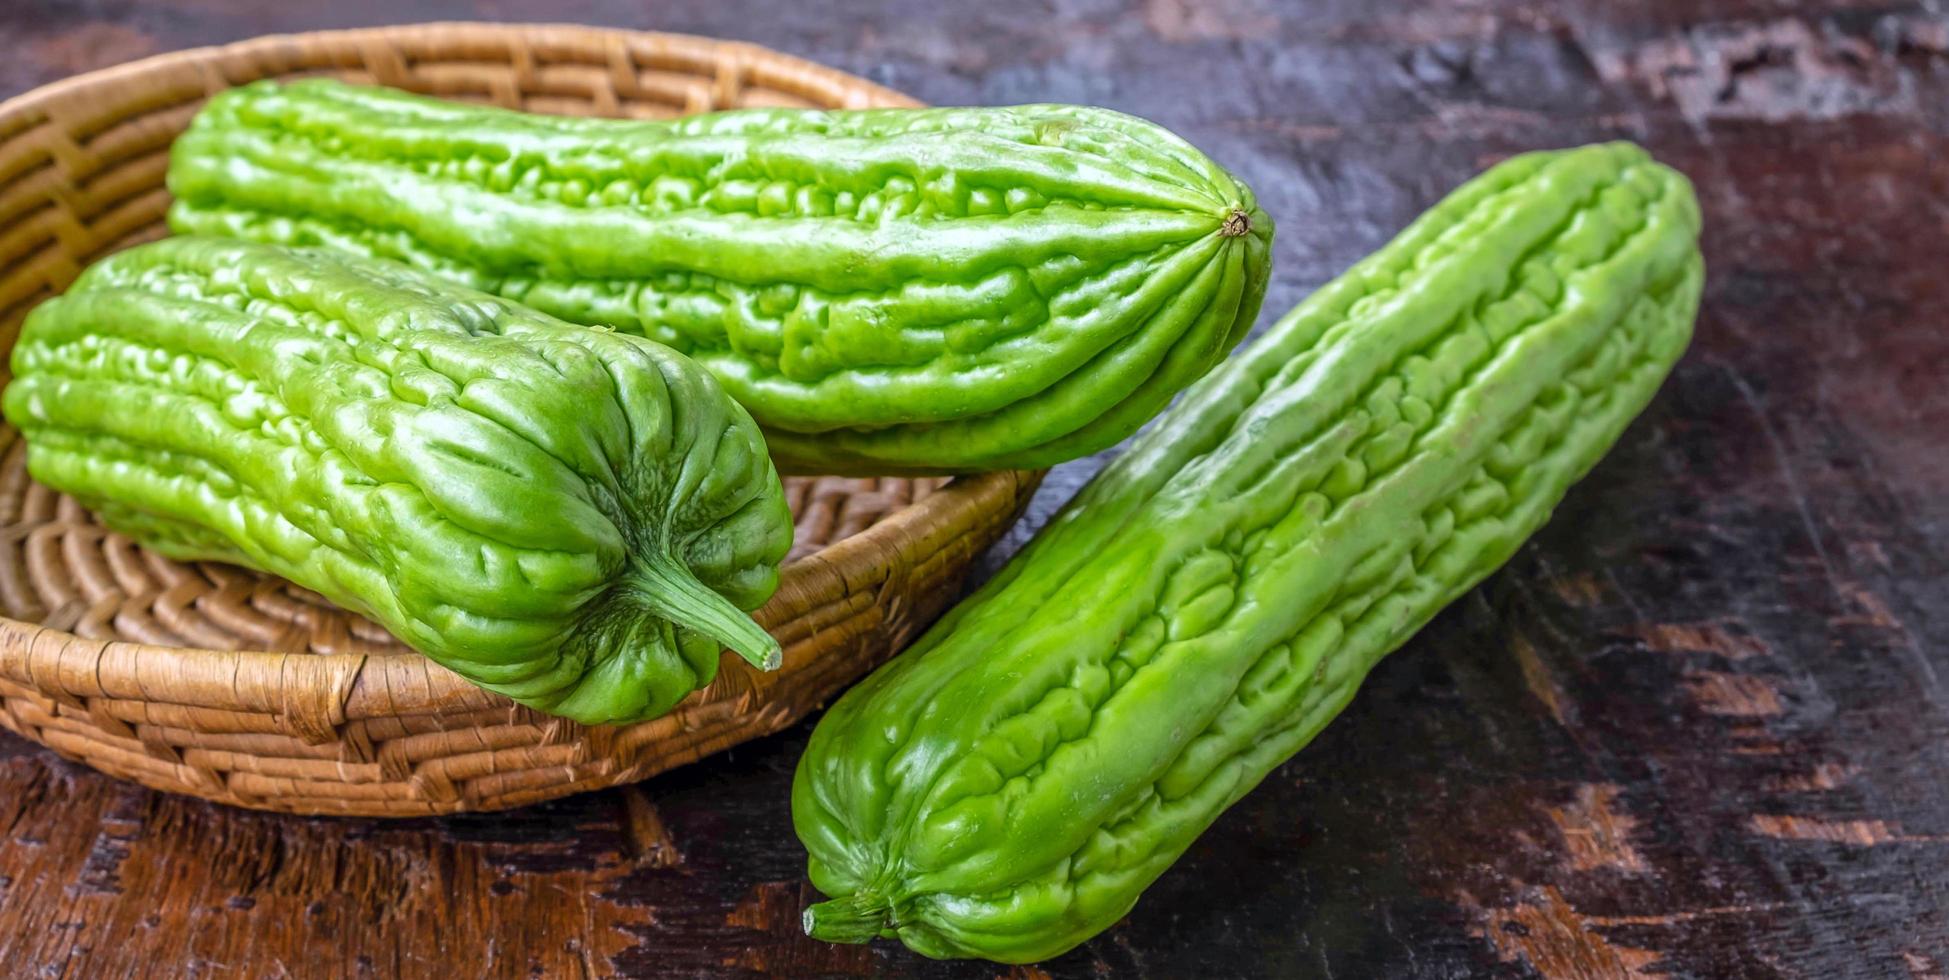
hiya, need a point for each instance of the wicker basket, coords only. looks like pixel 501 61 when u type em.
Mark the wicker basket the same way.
pixel 234 686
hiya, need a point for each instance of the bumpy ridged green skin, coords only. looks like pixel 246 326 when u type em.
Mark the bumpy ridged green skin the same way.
pixel 1009 786
pixel 887 291
pixel 568 516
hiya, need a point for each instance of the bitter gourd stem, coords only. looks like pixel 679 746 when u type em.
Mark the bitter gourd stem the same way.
pixel 856 918
pixel 670 591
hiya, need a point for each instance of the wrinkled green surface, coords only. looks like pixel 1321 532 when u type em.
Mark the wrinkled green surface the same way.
pixel 887 291
pixel 536 505
pixel 1010 785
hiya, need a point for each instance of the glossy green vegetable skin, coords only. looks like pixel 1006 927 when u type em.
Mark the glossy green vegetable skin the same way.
pixel 571 517
pixel 887 291
pixel 1007 787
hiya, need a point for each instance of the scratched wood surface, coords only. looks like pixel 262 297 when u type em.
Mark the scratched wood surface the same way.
pixel 1696 728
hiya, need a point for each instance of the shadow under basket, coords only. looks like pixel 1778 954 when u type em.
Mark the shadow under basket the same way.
pixel 242 688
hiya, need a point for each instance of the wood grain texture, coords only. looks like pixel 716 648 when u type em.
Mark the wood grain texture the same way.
pixel 1697 728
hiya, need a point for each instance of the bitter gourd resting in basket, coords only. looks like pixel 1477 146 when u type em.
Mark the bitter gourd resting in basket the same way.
pixel 1007 787
pixel 886 290
pixel 572 517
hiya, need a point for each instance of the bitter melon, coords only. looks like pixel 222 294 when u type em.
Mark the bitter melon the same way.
pixel 572 517
pixel 886 290
pixel 1010 785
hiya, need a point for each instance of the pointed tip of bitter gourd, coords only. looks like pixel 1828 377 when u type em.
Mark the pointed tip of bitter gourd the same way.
pixel 848 919
pixel 675 594
pixel 1237 224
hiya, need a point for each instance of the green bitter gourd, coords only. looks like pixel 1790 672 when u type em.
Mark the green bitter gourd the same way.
pixel 1010 785
pixel 573 517
pixel 886 290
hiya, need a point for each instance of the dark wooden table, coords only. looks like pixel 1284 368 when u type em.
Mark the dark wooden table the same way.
pixel 1698 727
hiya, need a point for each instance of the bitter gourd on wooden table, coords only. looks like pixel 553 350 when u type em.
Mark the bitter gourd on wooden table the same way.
pixel 887 290
pixel 1007 787
pixel 572 517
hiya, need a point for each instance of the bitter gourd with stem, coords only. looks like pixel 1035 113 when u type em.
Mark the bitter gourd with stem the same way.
pixel 886 290
pixel 1010 785
pixel 572 517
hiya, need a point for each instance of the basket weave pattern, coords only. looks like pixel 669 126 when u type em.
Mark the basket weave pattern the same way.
pixel 242 688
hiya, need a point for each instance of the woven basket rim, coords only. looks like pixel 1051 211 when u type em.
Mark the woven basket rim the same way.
pixel 359 727
pixel 756 53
